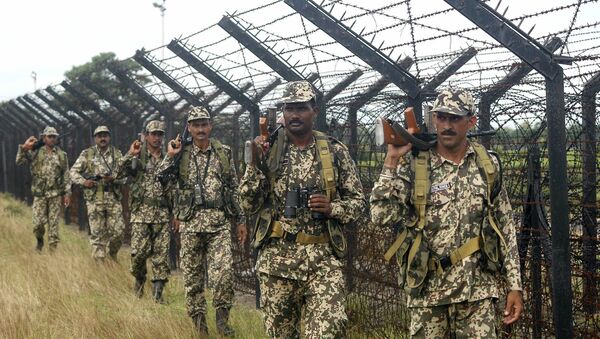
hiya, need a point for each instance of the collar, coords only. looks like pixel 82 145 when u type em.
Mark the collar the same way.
pixel 108 149
pixel 437 160
pixel 196 150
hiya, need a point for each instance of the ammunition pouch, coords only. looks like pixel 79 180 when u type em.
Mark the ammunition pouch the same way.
pixel 262 228
pixel 337 240
pixel 417 265
pixel 98 192
pixel 489 242
pixel 184 205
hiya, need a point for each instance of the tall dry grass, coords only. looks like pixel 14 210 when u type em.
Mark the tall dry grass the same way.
pixel 68 295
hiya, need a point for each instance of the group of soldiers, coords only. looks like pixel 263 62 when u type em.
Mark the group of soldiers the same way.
pixel 456 235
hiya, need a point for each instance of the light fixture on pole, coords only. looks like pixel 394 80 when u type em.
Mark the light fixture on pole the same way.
pixel 34 77
pixel 162 9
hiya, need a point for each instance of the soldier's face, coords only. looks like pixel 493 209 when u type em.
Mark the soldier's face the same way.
pixel 155 138
pixel 102 139
pixel 452 129
pixel 50 140
pixel 299 117
pixel 200 129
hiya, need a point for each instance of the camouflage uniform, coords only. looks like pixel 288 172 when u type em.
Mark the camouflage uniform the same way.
pixel 460 301
pixel 150 208
pixel 103 201
pixel 293 275
pixel 206 236
pixel 50 181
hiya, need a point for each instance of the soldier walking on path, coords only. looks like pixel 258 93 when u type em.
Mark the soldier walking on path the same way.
pixel 50 183
pixel 304 194
pixel 94 169
pixel 206 204
pixel 456 229
pixel 150 207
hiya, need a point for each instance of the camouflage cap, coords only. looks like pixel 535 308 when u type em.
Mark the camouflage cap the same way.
pixel 198 112
pixel 297 91
pixel 101 129
pixel 454 101
pixel 49 131
pixel 155 125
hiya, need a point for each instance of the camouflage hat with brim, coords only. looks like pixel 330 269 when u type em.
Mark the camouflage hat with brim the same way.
pixel 155 126
pixel 454 101
pixel 297 91
pixel 101 129
pixel 198 112
pixel 50 131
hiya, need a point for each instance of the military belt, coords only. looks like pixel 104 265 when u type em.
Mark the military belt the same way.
pixel 439 265
pixel 209 205
pixel 300 237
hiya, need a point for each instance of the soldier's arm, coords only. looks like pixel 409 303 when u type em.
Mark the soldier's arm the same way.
pixel 67 177
pixel 351 202
pixel 76 171
pixel 123 166
pixel 390 195
pixel 236 210
pixel 122 179
pixel 23 156
pixel 252 190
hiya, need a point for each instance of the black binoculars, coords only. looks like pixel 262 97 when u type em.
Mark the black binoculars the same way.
pixel 298 198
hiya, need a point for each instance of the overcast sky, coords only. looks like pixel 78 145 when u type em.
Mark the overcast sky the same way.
pixel 50 36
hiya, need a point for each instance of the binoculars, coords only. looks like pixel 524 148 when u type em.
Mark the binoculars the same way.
pixel 298 198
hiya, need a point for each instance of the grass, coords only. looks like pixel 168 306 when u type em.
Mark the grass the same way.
pixel 68 295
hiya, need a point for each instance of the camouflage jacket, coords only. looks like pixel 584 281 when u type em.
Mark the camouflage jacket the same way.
pixel 454 214
pixel 50 175
pixel 213 187
pixel 148 201
pixel 301 168
pixel 92 162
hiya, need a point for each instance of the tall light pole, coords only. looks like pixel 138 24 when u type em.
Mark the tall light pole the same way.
pixel 34 77
pixel 162 9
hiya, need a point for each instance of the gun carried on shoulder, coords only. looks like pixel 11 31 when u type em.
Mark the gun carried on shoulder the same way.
pixel 390 132
pixel 40 143
pixel 172 172
pixel 269 128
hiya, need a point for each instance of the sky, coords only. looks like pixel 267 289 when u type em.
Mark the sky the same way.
pixel 49 37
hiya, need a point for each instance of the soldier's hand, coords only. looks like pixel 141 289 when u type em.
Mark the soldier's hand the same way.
pixel 262 144
pixel 67 200
pixel 174 146
pixel 242 234
pixel 394 153
pixel 135 148
pixel 176 224
pixel 320 203
pixel 28 144
pixel 514 307
pixel 88 183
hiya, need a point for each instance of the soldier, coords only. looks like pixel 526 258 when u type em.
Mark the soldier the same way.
pixel 150 208
pixel 50 184
pixel 308 189
pixel 94 169
pixel 206 198
pixel 456 228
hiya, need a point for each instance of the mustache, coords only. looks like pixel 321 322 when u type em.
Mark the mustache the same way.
pixel 448 132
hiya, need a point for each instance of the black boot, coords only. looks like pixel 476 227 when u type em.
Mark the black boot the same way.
pixel 222 318
pixel 157 289
pixel 138 289
pixel 40 244
pixel 201 325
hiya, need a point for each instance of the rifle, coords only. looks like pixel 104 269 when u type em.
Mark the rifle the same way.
pixel 172 172
pixel 40 143
pixel 269 128
pixel 388 131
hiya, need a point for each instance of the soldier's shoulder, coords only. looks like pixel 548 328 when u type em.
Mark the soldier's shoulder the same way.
pixel 337 145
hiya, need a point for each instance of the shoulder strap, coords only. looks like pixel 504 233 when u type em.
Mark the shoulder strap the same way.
pixel 184 164
pixel 218 146
pixel 326 159
pixel 421 185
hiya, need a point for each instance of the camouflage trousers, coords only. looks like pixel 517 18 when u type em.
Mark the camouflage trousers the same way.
pixel 463 320
pixel 150 241
pixel 322 299
pixel 46 212
pixel 199 250
pixel 106 228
